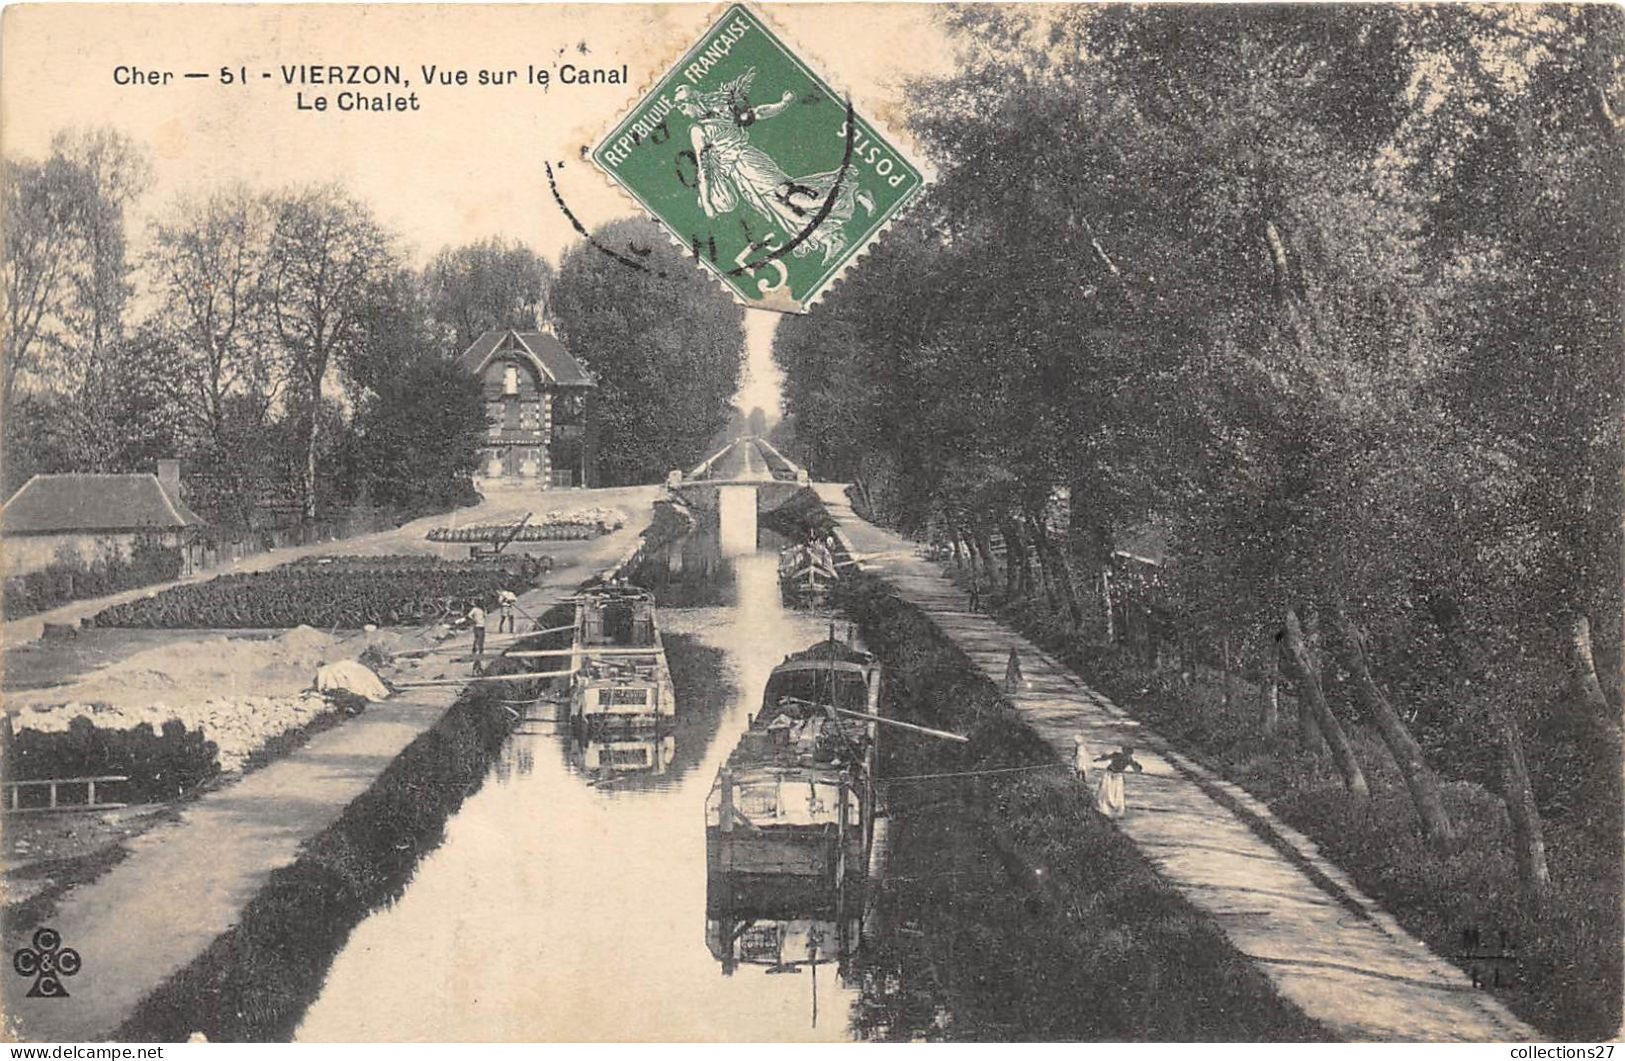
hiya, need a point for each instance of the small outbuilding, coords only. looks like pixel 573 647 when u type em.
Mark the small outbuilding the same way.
pixel 93 515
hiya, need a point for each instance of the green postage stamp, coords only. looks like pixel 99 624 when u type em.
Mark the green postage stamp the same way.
pixel 749 159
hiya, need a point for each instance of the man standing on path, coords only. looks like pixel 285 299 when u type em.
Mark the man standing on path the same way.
pixel 506 600
pixel 476 619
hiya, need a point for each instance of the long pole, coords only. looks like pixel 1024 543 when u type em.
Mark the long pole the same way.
pixel 524 677
pixel 928 731
pixel 540 653
pixel 497 639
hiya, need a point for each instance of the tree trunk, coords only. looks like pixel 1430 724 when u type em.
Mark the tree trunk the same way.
pixel 1269 715
pixel 1047 575
pixel 309 485
pixel 1308 678
pixel 1106 605
pixel 1309 734
pixel 1528 838
pixel 984 549
pixel 1016 560
pixel 1420 781
pixel 1583 670
pixel 1057 573
pixel 1076 595
pixel 1229 675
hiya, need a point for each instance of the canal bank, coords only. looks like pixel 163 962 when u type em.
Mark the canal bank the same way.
pixel 1009 911
pixel 1326 946
pixel 191 878
pixel 570 900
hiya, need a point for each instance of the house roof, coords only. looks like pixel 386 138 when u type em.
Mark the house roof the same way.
pixel 83 501
pixel 553 362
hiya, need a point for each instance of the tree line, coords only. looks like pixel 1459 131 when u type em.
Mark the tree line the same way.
pixel 281 343
pixel 1329 295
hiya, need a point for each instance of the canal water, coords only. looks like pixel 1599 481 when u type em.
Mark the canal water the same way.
pixel 569 898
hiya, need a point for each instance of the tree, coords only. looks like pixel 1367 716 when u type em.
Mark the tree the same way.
pixel 664 342
pixel 66 280
pixel 326 260
pixel 490 284
pixel 209 263
pixel 45 205
pixel 116 170
pixel 419 437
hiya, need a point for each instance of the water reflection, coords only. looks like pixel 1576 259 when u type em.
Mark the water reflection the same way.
pixel 785 925
pixel 564 901
pixel 610 757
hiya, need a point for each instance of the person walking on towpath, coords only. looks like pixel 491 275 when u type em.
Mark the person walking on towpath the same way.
pixel 1012 672
pixel 506 600
pixel 1109 788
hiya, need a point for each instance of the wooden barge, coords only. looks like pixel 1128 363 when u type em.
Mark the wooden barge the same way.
pixel 807 573
pixel 796 796
pixel 620 676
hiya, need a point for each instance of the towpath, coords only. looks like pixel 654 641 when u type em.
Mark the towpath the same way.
pixel 1329 948
pixel 185 882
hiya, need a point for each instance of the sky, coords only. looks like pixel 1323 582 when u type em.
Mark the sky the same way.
pixel 469 163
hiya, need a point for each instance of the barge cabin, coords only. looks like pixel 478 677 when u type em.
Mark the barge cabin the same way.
pixel 796 796
pixel 621 676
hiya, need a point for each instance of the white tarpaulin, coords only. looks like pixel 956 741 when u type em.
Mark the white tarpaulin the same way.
pixel 353 677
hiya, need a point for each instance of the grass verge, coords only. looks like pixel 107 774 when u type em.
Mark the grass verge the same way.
pixel 1014 911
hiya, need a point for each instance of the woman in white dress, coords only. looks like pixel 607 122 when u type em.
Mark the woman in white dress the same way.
pixel 1109 798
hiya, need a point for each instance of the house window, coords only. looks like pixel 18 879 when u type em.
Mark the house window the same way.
pixel 510 379
pixel 510 415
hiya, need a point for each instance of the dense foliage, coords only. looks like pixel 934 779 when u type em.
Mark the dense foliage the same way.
pixel 1330 298
pixel 664 342
pixel 159 766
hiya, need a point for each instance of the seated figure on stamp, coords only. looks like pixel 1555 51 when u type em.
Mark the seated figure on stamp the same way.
pixel 735 172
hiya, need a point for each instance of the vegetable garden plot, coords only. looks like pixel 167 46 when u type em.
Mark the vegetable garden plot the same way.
pixel 340 595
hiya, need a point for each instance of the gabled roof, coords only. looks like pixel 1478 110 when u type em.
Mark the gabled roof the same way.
pixel 553 362
pixel 84 501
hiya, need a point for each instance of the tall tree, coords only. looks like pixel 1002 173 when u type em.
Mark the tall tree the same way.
pixel 494 283
pixel 209 262
pixel 45 210
pixel 664 342
pixel 326 261
pixel 116 170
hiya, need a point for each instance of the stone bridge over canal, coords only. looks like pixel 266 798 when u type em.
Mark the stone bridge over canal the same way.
pixel 742 481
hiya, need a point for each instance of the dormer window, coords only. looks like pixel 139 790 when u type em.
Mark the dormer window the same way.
pixel 510 379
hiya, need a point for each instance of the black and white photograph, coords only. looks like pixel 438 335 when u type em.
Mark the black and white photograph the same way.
pixel 812 523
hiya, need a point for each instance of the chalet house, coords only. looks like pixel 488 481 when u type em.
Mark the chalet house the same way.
pixel 94 515
pixel 537 400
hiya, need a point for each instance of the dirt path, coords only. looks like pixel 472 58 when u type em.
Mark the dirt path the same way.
pixel 185 882
pixel 1332 950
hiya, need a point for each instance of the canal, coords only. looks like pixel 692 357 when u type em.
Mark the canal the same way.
pixel 568 899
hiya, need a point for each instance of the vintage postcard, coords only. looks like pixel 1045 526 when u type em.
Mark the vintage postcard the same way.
pixel 807 523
